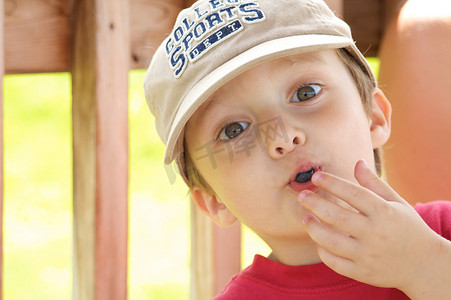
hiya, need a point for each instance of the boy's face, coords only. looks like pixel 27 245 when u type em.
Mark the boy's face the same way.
pixel 277 121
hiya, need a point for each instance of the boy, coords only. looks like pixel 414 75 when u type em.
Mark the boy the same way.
pixel 275 119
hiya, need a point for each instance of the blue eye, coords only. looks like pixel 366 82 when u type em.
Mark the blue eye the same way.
pixel 233 130
pixel 306 93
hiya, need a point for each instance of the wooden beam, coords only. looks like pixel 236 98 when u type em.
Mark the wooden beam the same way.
pixel 188 3
pixel 215 255
pixel 337 6
pixel 365 19
pixel 100 66
pixel 38 34
pixel 152 21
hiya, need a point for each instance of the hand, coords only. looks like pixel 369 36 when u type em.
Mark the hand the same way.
pixel 382 241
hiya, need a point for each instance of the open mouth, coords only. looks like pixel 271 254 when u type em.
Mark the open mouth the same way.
pixel 304 177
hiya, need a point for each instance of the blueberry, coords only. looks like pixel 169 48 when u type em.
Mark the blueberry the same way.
pixel 305 176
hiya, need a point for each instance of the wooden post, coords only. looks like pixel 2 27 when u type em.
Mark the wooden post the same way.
pixel 215 255
pixel 100 64
pixel 365 19
pixel 336 6
pixel 2 72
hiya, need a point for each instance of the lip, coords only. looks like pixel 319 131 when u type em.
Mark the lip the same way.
pixel 298 187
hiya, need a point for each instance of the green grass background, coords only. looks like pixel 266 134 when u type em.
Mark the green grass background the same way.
pixel 38 198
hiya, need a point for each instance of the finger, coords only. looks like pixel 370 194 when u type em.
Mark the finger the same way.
pixel 336 242
pixel 341 265
pixel 345 220
pixel 368 179
pixel 361 198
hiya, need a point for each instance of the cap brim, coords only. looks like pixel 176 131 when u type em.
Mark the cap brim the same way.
pixel 260 53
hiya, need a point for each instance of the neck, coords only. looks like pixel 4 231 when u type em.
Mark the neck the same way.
pixel 294 253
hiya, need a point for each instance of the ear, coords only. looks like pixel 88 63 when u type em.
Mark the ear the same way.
pixel 213 207
pixel 380 119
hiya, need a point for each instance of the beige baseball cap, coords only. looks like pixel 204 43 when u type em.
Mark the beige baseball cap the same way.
pixel 215 40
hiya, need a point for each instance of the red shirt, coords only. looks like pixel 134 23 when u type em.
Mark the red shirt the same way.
pixel 265 279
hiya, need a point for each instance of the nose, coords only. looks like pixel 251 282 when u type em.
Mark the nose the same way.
pixel 285 142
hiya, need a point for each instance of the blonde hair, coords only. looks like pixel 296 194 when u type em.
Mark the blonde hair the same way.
pixel 365 87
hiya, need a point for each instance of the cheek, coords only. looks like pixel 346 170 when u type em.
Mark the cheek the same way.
pixel 230 185
pixel 347 119
pixel 226 167
pixel 346 131
pixel 232 178
pixel 227 173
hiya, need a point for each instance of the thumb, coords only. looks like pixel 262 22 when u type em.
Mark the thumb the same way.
pixel 368 179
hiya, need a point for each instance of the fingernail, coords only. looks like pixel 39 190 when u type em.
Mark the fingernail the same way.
pixel 364 163
pixel 317 176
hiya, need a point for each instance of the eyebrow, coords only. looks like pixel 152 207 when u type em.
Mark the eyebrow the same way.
pixel 305 58
pixel 208 107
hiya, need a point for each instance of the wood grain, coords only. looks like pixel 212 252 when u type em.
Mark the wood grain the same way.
pixel 100 137
pixel 38 36
pixel 151 22
pixel 365 19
